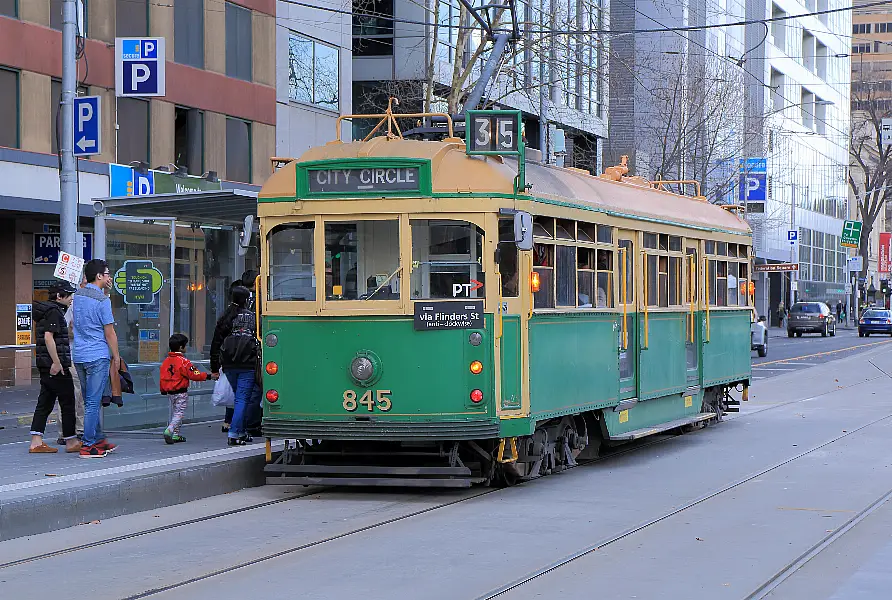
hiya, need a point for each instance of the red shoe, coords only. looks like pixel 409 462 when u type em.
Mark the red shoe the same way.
pixel 106 446
pixel 93 452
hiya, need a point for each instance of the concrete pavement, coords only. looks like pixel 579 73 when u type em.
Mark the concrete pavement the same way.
pixel 711 514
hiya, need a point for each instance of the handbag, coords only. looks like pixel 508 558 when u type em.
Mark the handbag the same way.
pixel 223 393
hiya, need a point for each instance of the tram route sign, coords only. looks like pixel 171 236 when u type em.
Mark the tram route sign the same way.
pixel 493 132
pixel 364 180
pixel 466 314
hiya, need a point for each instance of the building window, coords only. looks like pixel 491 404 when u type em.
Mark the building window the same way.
pixel 133 130
pixel 188 32
pixel 9 108
pixel 9 8
pixel 131 18
pixel 238 150
pixel 188 139
pixel 373 31
pixel 313 72
pixel 239 49
pixel 860 28
pixel 56 102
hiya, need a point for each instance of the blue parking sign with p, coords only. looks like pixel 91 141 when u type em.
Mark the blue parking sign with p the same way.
pixel 139 67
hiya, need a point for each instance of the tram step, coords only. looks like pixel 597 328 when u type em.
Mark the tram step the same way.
pixel 645 431
pixel 732 402
pixel 369 475
pixel 732 409
pixel 371 481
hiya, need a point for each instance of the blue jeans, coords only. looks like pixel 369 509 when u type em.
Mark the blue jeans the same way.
pixel 94 380
pixel 242 382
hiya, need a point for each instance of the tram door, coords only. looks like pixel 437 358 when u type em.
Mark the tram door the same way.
pixel 627 338
pixel 692 331
pixel 511 311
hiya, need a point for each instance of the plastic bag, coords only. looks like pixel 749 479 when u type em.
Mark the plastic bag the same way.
pixel 223 394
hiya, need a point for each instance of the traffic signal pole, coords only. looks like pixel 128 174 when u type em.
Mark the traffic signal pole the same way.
pixel 68 174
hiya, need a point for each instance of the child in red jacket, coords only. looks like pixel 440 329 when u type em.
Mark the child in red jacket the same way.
pixel 176 373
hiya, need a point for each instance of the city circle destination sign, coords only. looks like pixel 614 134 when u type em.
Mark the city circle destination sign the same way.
pixel 364 180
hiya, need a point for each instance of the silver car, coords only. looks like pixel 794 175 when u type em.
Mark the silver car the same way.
pixel 811 317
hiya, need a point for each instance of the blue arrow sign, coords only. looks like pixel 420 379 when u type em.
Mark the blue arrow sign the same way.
pixel 87 126
pixel 139 67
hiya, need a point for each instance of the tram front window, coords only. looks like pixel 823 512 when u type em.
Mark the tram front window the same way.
pixel 446 260
pixel 362 260
pixel 291 263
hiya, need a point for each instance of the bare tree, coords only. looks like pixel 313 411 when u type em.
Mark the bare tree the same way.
pixel 870 164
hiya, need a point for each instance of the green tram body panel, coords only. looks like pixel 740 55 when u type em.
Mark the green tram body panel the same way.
pixel 426 374
pixel 574 365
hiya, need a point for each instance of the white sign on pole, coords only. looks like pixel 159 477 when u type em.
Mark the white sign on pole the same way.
pixel 856 264
pixel 848 288
pixel 794 286
pixel 886 132
pixel 69 267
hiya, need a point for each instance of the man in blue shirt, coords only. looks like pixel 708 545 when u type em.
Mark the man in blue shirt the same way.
pixel 95 349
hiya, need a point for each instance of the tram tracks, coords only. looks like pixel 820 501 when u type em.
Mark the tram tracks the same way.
pixel 768 586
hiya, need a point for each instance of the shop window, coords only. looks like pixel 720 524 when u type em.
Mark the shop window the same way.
pixel 508 259
pixel 313 72
pixel 446 260
pixel 239 44
pixel 9 8
pixel 238 150
pixel 131 18
pixel 362 260
pixel 133 130
pixel 9 108
pixel 188 32
pixel 56 103
pixel 291 263
pixel 188 139
pixel 543 265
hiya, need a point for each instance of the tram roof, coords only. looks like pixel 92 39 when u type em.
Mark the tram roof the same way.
pixel 454 172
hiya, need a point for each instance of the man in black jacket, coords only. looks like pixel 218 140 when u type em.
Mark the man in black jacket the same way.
pixel 54 365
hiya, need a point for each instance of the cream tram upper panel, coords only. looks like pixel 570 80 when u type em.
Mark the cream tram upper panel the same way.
pixel 453 171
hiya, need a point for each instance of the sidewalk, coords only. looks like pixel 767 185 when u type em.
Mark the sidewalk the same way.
pixel 44 492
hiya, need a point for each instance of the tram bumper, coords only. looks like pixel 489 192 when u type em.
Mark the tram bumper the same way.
pixel 369 476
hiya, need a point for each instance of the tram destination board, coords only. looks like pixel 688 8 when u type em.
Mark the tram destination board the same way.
pixel 493 132
pixel 364 180
pixel 449 315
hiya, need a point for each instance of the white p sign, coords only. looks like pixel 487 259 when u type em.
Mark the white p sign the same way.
pixel 139 74
pixel 84 115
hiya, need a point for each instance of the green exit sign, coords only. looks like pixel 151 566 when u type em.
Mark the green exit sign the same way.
pixel 851 234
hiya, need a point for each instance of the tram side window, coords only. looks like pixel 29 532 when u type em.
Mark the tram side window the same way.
pixel 291 275
pixel 508 259
pixel 543 265
pixel 732 284
pixel 585 277
pixel 447 259
pixel 743 283
pixel 362 260
pixel 605 278
pixel 565 264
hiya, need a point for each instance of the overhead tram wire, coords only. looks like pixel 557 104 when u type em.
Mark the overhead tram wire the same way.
pixel 594 31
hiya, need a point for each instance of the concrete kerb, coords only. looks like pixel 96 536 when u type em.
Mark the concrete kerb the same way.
pixel 31 508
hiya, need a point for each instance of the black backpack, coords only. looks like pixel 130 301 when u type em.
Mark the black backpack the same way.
pixel 241 347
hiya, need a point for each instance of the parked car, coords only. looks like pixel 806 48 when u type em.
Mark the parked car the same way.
pixel 759 335
pixel 811 317
pixel 875 320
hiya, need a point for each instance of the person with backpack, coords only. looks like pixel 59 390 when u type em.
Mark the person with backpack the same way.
pixel 235 348
pixel 54 365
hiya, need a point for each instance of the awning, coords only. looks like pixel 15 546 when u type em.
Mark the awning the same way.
pixel 217 207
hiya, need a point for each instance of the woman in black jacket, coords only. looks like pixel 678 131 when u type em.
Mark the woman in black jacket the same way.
pixel 235 349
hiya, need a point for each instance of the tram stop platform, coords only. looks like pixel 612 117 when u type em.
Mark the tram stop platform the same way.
pixel 45 492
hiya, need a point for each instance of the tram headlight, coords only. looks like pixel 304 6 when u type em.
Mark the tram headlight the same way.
pixel 271 340
pixel 272 396
pixel 476 396
pixel 535 282
pixel 475 339
pixel 476 367
pixel 362 368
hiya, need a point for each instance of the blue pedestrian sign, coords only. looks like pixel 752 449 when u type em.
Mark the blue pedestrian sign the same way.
pixel 139 67
pixel 87 126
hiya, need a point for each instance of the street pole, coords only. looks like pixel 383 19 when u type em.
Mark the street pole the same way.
pixel 793 246
pixel 544 96
pixel 68 175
